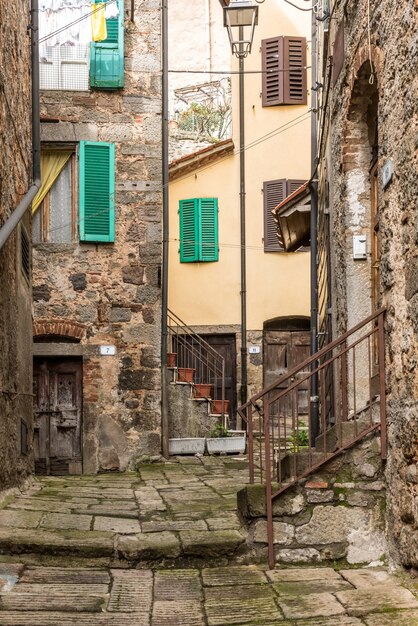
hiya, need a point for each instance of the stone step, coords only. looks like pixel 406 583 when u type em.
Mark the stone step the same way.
pixel 136 548
pixel 295 464
pixel 340 434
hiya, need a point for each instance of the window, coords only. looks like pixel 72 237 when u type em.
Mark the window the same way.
pixel 69 61
pixel 60 212
pixel 198 230
pixel 274 192
pixel 284 71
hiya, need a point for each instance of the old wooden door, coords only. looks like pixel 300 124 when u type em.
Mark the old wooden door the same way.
pixel 57 415
pixel 283 350
pixel 225 345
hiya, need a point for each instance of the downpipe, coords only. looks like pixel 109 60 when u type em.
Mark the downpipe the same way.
pixel 9 226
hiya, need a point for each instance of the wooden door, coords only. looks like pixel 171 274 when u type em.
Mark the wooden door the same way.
pixel 225 345
pixel 284 350
pixel 57 415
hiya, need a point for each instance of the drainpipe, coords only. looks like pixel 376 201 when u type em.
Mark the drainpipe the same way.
pixel 208 41
pixel 8 227
pixel 242 220
pixel 314 399
pixel 164 285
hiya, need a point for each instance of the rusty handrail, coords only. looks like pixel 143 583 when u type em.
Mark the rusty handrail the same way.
pixel 208 364
pixel 351 387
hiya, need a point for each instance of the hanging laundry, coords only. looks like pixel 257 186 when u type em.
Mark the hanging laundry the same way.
pixel 111 10
pixel 98 22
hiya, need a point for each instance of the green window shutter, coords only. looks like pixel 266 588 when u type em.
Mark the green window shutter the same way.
pixel 97 191
pixel 209 229
pixel 189 230
pixel 107 57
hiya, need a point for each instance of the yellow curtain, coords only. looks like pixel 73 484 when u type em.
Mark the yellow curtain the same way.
pixel 52 164
pixel 98 22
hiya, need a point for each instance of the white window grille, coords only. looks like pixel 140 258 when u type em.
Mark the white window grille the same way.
pixel 66 67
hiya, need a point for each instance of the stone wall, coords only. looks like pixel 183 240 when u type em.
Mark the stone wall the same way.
pixel 336 514
pixel 15 300
pixel 113 290
pixel 394 57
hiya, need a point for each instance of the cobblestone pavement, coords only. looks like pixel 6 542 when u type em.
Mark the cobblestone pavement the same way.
pixel 161 548
pixel 182 509
pixel 45 596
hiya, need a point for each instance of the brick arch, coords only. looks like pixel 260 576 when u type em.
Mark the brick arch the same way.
pixel 361 58
pixel 59 328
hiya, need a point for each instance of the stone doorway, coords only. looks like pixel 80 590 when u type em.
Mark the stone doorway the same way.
pixel 58 415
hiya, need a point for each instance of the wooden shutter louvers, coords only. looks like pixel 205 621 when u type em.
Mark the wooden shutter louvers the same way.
pixel 284 71
pixel 274 192
pixel 107 57
pixel 198 230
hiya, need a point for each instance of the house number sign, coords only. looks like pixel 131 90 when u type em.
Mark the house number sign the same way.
pixel 107 350
pixel 254 349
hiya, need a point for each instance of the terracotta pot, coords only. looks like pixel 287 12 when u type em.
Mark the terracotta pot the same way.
pixel 171 359
pixel 202 390
pixel 185 374
pixel 216 406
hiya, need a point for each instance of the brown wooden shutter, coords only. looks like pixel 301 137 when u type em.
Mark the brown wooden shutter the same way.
pixel 338 56
pixel 274 192
pixel 284 71
pixel 272 66
pixel 294 76
pixel 293 185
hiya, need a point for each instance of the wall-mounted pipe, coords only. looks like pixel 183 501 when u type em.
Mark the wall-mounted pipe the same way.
pixel 9 226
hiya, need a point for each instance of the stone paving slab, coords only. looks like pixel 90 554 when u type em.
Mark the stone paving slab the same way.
pixel 339 620
pixel 74 542
pixel 237 575
pixel 131 591
pixel 312 605
pixel 20 519
pixel 58 618
pixel 400 618
pixel 222 608
pixel 173 585
pixel 177 613
pixel 65 575
pixel 365 577
pixel 82 602
pixel 149 546
pixel 117 525
pixel 210 543
pixel 299 588
pixel 67 520
pixel 69 589
pixel 303 574
pixel 175 525
pixel 375 599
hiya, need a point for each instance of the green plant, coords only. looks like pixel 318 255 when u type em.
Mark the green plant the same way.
pixel 219 431
pixel 299 437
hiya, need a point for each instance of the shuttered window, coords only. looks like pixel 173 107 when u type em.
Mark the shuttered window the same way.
pixel 107 57
pixel 97 192
pixel 198 230
pixel 284 71
pixel 274 192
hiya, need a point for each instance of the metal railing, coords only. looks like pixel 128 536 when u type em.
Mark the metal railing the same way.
pixel 284 445
pixel 206 366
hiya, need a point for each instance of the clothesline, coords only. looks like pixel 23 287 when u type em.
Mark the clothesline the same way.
pixel 58 26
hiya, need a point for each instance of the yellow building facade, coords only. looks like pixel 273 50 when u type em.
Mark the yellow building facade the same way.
pixel 207 295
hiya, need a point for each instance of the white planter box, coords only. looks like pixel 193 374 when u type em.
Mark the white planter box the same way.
pixel 232 445
pixel 190 445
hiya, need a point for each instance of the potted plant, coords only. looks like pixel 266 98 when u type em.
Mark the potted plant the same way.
pixel 202 390
pixel 171 359
pixel 222 440
pixel 216 407
pixel 299 438
pixel 185 374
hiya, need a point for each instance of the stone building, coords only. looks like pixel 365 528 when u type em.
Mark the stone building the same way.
pixel 97 242
pixel 16 458
pixel 368 60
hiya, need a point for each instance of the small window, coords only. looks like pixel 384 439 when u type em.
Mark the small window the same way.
pixel 198 230
pixel 284 71
pixel 25 253
pixel 54 221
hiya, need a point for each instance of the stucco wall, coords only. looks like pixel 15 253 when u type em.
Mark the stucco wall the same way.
pixel 113 290
pixel 15 178
pixel 394 31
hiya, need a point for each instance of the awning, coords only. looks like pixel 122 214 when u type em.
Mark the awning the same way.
pixel 293 218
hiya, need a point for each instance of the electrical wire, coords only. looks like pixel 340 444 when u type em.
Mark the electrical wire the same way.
pixel 300 8
pixel 231 72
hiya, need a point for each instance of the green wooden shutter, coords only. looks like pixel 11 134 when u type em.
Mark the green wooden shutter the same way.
pixel 208 229
pixel 189 230
pixel 97 191
pixel 107 57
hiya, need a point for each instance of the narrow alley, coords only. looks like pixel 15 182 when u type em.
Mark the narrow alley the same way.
pixel 165 547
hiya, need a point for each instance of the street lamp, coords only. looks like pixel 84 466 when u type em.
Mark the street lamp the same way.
pixel 240 19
